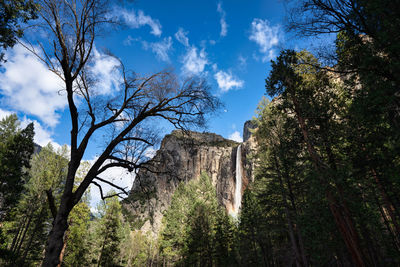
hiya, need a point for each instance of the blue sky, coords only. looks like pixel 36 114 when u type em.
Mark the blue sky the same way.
pixel 214 39
pixel 229 43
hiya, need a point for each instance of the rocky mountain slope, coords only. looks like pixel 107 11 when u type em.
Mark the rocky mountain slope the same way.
pixel 182 157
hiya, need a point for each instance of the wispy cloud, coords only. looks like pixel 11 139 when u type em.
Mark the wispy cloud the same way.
pixel 235 136
pixel 194 61
pixel 242 62
pixel 161 49
pixel 137 19
pixel 266 37
pixel 130 40
pixel 227 81
pixel 222 20
pixel 181 36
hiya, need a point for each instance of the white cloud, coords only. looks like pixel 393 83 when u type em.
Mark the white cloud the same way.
pixel 28 86
pixel 227 81
pixel 266 37
pixel 181 36
pixel 138 19
pixel 235 136
pixel 118 176
pixel 105 71
pixel 161 48
pixel 42 135
pixel 194 62
pixel 224 25
pixel 4 113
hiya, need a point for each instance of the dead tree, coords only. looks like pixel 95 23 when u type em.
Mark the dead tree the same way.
pixel 127 118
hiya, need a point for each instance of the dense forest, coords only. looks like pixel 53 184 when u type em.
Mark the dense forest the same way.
pixel 326 187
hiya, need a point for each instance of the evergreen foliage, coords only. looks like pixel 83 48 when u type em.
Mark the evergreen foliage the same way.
pixel 109 234
pixel 196 230
pixel 326 188
pixel 16 148
pixel 321 199
pixel 13 13
pixel 27 228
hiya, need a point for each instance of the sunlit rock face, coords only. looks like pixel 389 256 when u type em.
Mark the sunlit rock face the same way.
pixel 183 157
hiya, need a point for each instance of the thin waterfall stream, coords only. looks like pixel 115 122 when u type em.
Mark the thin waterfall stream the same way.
pixel 238 189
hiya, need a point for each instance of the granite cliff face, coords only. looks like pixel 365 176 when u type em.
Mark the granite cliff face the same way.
pixel 182 157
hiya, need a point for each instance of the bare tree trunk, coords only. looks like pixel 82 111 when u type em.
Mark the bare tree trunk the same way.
pixel 63 249
pixel 55 241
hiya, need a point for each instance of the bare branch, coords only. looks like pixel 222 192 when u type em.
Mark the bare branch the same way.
pixel 113 185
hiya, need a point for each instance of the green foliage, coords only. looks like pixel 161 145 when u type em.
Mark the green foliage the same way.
pixel 320 152
pixel 196 230
pixel 109 233
pixel 12 14
pixel 27 227
pixel 16 148
pixel 138 249
pixel 77 246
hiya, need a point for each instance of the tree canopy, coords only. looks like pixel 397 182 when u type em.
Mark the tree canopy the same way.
pixel 13 14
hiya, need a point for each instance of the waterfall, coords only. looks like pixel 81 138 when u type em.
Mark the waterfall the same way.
pixel 238 189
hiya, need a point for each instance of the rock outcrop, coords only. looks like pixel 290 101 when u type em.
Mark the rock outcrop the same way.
pixel 182 157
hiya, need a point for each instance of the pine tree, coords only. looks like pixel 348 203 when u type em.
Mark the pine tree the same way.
pixel 16 148
pixel 76 239
pixel 196 230
pixel 110 233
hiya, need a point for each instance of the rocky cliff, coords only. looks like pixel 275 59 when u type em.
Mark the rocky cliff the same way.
pixel 182 157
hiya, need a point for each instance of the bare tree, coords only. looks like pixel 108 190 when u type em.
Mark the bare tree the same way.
pixel 127 117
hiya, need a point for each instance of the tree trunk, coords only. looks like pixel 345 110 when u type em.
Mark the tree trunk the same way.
pixel 292 236
pixel 33 234
pixel 347 230
pixel 55 241
pixel 24 234
pixel 387 224
pixel 101 252
pixel 297 230
pixel 341 215
pixel 388 203
pixel 63 249
pixel 17 235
